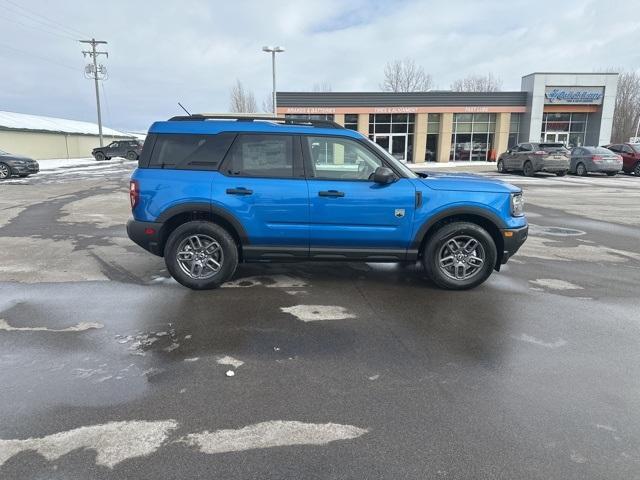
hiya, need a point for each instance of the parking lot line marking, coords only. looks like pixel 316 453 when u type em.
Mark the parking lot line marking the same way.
pixel 276 433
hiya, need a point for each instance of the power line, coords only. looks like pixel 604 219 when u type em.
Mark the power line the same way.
pixel 35 55
pixel 35 16
pixel 38 28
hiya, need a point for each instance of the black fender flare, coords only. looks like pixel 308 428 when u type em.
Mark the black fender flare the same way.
pixel 453 211
pixel 205 207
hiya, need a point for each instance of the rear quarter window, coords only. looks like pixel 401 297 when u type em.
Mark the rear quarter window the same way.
pixel 189 152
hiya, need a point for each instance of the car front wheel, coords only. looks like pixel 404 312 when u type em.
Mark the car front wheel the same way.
pixel 500 166
pixel 5 171
pixel 459 256
pixel 100 156
pixel 201 255
pixel 131 156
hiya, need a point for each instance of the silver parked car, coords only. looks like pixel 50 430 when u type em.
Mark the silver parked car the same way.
pixel 531 157
pixel 594 159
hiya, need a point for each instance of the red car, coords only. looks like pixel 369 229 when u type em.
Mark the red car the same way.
pixel 630 153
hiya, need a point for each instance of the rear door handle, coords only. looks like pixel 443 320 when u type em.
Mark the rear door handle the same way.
pixel 330 193
pixel 239 191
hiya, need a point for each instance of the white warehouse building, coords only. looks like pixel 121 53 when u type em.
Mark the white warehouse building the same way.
pixel 43 138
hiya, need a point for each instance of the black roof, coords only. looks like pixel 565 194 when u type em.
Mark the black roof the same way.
pixel 392 99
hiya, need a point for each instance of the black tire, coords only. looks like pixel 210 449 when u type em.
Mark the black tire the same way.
pixel 562 173
pixel 100 156
pixel 437 245
pixel 131 156
pixel 5 171
pixel 227 247
pixel 611 174
pixel 636 169
pixel 527 169
pixel 581 170
pixel 500 166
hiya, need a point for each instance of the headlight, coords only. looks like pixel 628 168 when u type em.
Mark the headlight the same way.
pixel 517 205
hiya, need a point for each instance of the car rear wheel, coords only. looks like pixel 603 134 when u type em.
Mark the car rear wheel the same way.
pixel 581 170
pixel 562 173
pixel 500 166
pixel 100 156
pixel 459 256
pixel 527 170
pixel 611 174
pixel 201 255
pixel 636 169
pixel 132 156
pixel 5 171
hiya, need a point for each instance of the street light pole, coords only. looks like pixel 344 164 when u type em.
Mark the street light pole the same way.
pixel 273 51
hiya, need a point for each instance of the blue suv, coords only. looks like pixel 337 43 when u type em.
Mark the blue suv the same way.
pixel 210 192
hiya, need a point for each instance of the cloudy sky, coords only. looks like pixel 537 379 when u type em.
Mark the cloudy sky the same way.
pixel 162 52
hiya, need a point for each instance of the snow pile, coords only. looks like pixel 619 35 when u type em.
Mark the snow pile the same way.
pixel 23 121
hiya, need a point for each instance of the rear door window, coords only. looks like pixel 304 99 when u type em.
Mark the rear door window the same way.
pixel 190 152
pixel 255 155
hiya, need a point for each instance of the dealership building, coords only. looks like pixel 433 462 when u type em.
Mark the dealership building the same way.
pixel 443 126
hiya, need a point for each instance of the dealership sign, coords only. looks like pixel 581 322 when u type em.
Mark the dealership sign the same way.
pixel 573 95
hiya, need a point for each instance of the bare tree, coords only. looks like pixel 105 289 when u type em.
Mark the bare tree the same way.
pixel 267 103
pixel 627 111
pixel 322 87
pixel 477 83
pixel 242 101
pixel 405 76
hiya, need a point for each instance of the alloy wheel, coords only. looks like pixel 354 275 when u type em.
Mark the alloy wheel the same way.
pixel 461 257
pixel 4 171
pixel 199 256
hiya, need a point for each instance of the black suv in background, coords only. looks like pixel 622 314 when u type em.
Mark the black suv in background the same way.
pixel 129 149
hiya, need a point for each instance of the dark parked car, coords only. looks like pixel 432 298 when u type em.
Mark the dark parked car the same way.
pixel 530 158
pixel 594 159
pixel 630 153
pixel 11 164
pixel 129 149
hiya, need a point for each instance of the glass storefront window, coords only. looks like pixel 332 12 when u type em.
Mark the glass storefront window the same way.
pixel 394 133
pixel 472 137
pixel 514 129
pixel 351 121
pixel 569 128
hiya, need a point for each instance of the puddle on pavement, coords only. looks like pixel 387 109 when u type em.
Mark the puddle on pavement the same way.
pixel 554 231
pixel 161 341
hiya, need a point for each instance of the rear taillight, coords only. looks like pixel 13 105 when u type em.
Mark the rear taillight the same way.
pixel 134 193
pixel 540 152
pixel 619 157
pixel 597 158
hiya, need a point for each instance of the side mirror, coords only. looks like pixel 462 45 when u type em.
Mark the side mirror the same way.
pixel 384 175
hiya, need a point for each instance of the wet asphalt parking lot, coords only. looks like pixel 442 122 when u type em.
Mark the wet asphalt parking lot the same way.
pixel 109 369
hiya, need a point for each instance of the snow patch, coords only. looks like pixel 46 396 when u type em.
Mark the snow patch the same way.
pixel 555 284
pixel 76 328
pixel 272 281
pixel 313 313
pixel 270 434
pixel 228 360
pixel 113 442
pixel 529 339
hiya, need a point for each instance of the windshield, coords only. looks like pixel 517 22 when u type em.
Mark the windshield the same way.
pixel 635 146
pixel 600 150
pixel 392 160
pixel 553 147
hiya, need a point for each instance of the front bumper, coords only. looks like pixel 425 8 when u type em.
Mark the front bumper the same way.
pixel 148 235
pixel 28 169
pixel 513 238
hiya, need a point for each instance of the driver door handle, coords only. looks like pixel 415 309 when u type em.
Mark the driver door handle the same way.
pixel 330 193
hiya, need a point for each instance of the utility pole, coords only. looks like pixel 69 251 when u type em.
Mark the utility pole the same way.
pixel 93 72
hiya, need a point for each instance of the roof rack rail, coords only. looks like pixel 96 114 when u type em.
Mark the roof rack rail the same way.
pixel 251 118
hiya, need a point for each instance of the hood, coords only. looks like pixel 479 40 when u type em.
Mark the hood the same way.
pixel 467 182
pixel 13 156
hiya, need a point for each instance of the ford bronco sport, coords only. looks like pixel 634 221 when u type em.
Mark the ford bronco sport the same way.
pixel 210 192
